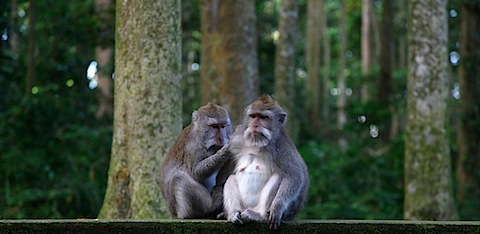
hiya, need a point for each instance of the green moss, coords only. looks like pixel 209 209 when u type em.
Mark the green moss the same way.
pixel 217 226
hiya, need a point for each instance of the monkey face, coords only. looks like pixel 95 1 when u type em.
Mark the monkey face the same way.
pixel 216 134
pixel 212 126
pixel 259 124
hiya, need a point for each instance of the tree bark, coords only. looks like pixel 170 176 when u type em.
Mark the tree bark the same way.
pixel 428 181
pixel 468 134
pixel 147 108
pixel 104 57
pixel 312 54
pixel 229 64
pixel 285 63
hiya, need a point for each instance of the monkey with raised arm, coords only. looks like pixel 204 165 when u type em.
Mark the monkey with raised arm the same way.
pixel 187 175
pixel 270 181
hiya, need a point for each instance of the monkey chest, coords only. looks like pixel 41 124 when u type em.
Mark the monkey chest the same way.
pixel 252 174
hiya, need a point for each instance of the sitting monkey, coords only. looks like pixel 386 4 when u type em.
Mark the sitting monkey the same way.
pixel 188 173
pixel 270 179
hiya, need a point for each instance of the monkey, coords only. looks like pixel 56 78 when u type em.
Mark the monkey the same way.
pixel 187 174
pixel 269 182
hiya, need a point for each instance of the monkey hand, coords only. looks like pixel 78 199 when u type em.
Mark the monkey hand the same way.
pixel 274 219
pixel 224 148
pixel 222 215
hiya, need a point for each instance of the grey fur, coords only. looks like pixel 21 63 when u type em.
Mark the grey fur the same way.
pixel 190 163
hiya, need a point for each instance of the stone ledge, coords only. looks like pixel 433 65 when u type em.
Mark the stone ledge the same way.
pixel 221 226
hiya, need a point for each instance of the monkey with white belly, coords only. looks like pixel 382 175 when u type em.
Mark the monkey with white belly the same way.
pixel 270 179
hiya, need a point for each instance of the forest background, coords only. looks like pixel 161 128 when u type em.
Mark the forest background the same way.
pixel 56 101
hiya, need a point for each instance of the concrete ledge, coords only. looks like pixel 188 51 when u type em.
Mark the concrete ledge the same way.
pixel 220 226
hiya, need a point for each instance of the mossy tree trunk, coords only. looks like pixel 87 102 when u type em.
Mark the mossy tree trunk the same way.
pixel 229 63
pixel 285 63
pixel 428 181
pixel 147 108
pixel 468 135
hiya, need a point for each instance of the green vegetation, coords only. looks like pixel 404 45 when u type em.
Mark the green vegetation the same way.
pixel 54 152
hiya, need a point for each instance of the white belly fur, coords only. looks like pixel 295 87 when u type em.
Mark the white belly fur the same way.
pixel 252 173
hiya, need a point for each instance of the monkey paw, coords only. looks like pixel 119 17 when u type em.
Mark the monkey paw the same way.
pixel 235 218
pixel 250 215
pixel 222 215
pixel 274 221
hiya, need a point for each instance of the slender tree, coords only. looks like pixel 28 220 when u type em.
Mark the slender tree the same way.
pixel 229 64
pixel 468 134
pixel 326 61
pixel 147 109
pixel 13 30
pixel 312 57
pixel 285 62
pixel 366 47
pixel 428 181
pixel 30 79
pixel 104 57
pixel 386 67
pixel 341 101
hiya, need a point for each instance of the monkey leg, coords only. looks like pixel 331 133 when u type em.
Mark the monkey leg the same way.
pixel 231 200
pixel 260 211
pixel 192 199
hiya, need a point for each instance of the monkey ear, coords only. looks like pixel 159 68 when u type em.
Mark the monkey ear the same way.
pixel 282 117
pixel 194 117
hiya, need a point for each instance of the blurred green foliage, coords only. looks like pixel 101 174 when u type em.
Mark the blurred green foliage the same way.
pixel 54 153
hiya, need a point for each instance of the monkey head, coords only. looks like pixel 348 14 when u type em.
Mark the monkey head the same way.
pixel 263 120
pixel 212 126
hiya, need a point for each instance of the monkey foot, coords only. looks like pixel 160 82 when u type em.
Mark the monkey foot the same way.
pixel 235 218
pixel 250 215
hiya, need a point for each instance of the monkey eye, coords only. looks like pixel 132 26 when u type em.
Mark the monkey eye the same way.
pixel 215 126
pixel 256 115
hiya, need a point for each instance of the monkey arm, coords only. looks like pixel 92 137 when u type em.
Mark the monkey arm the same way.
pixel 289 191
pixel 207 166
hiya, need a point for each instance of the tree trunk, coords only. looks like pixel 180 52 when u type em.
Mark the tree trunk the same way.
pixel 13 32
pixel 104 57
pixel 366 48
pixel 147 109
pixel 341 101
pixel 428 181
pixel 229 64
pixel 468 134
pixel 402 41
pixel 326 61
pixel 312 55
pixel 385 79
pixel 285 62
pixel 30 79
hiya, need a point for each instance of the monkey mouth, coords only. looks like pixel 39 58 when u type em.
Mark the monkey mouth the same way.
pixel 213 146
pixel 258 138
